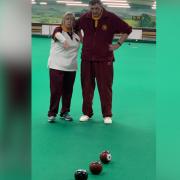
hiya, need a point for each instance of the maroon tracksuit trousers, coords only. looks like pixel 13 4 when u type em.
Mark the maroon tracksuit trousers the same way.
pixel 102 72
pixel 61 85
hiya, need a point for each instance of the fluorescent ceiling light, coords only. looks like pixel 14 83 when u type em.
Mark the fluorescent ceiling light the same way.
pixel 119 6
pixel 43 3
pixel 72 4
pixel 118 1
pixel 60 1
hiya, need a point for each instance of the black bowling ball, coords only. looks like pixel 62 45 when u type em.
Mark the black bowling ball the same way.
pixel 81 174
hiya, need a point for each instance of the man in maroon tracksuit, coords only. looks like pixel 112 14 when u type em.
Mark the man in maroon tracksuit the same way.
pixel 98 27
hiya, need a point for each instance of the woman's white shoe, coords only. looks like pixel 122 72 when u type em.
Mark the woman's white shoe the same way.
pixel 51 119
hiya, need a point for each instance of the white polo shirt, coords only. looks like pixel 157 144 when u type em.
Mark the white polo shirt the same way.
pixel 61 58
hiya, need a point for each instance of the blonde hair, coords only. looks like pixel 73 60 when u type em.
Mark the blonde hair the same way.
pixel 67 14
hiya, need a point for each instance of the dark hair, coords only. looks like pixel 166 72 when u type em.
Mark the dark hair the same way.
pixel 93 2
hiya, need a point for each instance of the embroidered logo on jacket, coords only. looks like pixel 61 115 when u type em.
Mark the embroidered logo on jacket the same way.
pixel 104 27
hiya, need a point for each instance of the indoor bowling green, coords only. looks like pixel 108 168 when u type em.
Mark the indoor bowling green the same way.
pixel 59 149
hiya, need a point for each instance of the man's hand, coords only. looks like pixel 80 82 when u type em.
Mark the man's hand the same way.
pixel 113 47
pixel 65 45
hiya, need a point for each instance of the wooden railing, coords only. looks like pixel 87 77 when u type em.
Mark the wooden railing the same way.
pixel 47 29
pixel 148 34
pixel 36 29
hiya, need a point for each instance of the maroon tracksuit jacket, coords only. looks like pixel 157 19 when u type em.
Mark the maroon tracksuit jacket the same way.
pixel 97 59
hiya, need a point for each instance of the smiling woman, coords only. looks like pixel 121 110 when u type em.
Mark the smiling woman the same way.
pixel 62 64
